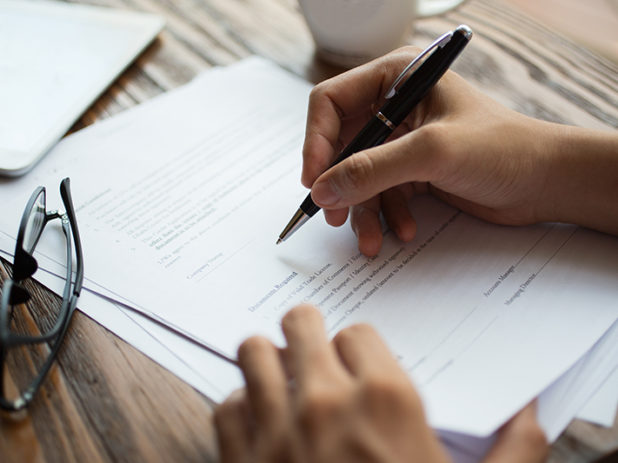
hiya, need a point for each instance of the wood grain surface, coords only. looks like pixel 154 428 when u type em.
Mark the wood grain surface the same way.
pixel 106 401
pixel 593 23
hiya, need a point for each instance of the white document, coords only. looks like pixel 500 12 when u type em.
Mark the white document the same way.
pixel 180 202
pixel 602 407
pixel 557 405
pixel 56 59
pixel 561 400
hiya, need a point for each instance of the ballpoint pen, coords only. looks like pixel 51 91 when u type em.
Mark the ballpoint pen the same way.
pixel 400 101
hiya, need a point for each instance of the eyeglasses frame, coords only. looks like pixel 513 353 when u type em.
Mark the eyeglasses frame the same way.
pixel 25 265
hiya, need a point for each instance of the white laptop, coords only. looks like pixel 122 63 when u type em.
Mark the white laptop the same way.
pixel 56 59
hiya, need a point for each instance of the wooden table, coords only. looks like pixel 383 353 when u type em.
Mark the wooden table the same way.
pixel 106 401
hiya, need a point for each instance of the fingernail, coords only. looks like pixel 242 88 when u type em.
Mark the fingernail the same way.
pixel 324 194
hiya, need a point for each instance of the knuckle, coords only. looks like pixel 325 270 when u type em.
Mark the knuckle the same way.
pixel 393 394
pixel 359 171
pixel 278 447
pixel 393 61
pixel 318 92
pixel 381 388
pixel 435 139
pixel 318 407
pixel 411 50
pixel 435 148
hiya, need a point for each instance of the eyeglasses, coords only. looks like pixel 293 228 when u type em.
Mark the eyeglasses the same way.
pixel 15 323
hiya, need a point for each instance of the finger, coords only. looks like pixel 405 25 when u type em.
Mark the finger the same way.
pixel 336 217
pixel 365 355
pixel 344 96
pixel 521 440
pixel 367 226
pixel 264 375
pixel 231 422
pixel 309 355
pixel 394 202
pixel 421 156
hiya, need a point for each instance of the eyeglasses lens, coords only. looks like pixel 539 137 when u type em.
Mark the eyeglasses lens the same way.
pixel 36 221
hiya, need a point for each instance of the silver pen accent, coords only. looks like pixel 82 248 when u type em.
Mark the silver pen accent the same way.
pixel 294 224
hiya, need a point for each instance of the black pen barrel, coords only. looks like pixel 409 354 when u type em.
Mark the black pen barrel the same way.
pixel 413 90
pixel 372 134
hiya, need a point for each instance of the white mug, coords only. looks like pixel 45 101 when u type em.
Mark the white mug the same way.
pixel 350 32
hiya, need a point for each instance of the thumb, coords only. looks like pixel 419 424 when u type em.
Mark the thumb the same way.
pixel 367 173
pixel 521 440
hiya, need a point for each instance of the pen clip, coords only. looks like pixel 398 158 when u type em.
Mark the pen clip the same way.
pixel 439 42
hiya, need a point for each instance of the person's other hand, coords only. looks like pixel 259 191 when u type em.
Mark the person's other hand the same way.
pixel 341 401
pixel 459 145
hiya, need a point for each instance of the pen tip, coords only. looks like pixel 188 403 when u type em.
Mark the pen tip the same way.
pixel 279 241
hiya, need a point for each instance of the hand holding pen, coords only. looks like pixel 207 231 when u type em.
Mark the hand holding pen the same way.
pixel 401 100
pixel 459 145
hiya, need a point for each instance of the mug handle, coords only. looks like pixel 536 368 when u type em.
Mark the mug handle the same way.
pixel 427 8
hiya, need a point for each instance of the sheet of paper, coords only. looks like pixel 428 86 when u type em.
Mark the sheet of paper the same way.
pixel 602 407
pixel 188 193
pixel 591 371
pixel 557 405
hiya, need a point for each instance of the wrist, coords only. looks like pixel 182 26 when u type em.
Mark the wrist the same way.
pixel 582 178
